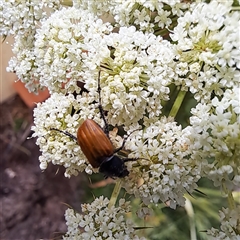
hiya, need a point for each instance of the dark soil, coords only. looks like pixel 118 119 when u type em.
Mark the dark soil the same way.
pixel 32 202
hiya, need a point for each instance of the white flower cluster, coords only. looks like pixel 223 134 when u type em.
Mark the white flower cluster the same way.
pixel 140 69
pixel 167 170
pixel 216 135
pixel 63 113
pixel 147 16
pixel 21 19
pixel 98 221
pixel 21 16
pixel 230 225
pixel 207 49
pixel 62 44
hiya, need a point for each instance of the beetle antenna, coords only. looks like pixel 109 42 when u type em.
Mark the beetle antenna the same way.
pixel 106 128
pixel 65 132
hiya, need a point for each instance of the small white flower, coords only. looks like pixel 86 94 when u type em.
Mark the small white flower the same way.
pixel 195 67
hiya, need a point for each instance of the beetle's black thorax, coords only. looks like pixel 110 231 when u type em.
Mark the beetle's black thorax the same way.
pixel 113 166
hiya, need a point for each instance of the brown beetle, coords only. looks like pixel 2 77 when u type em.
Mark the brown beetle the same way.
pixel 99 150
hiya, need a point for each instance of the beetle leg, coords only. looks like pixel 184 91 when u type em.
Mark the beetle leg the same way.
pixel 66 133
pixel 106 127
pixel 123 144
pixel 124 141
pixel 129 159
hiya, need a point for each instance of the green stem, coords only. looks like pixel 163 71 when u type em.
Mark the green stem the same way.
pixel 190 212
pixel 231 202
pixel 177 104
pixel 115 193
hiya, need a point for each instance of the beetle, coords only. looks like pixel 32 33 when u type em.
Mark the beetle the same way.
pixel 97 147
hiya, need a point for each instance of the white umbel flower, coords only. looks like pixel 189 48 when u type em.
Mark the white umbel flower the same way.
pixel 216 135
pixel 97 221
pixel 18 17
pixel 166 170
pixel 62 43
pixel 136 77
pixel 206 38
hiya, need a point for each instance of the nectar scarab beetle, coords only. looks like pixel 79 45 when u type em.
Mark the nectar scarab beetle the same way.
pixel 99 150
pixel 97 147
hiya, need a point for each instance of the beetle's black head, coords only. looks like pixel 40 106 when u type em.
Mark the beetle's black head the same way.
pixel 113 167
